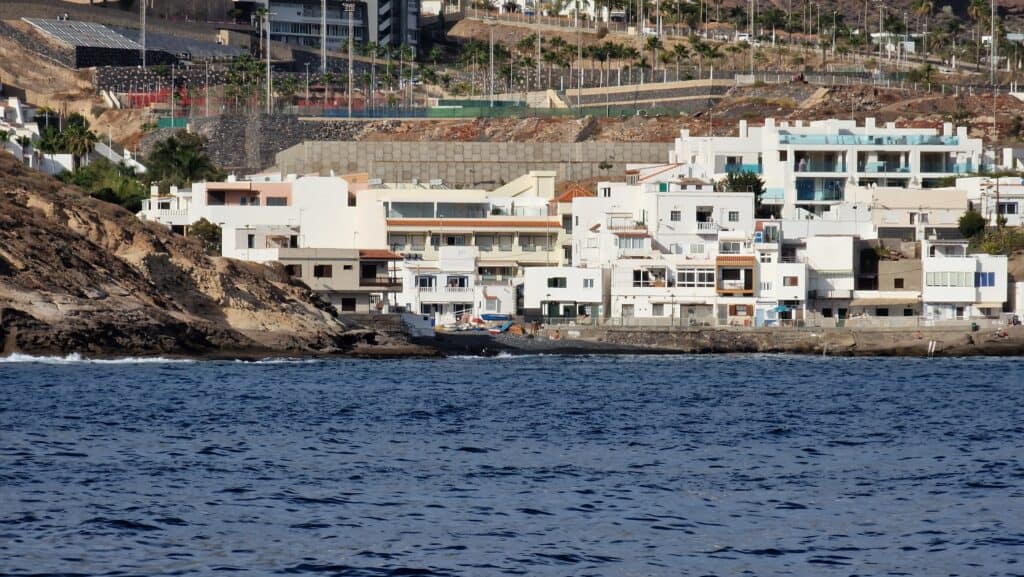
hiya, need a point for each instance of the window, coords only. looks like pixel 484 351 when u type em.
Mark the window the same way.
pixel 627 311
pixel 729 247
pixel 348 305
pixel 952 279
pixel 675 216
pixel 908 312
pixel 734 216
pixel 606 192
pixel 897 283
pixel 592 242
pixel 588 283
pixel 277 201
pixel 485 242
pixel 491 305
pixel 790 281
pixel 1008 208
pixel 766 286
pixel 984 279
pixel 250 241
pixel 783 155
pixel 630 242
pixel 766 257
pixel 457 281
pixel 505 243
pixel 454 241
pixel 397 241
pixel 827 313
pixel 346 267
pixel 697 248
pixel 293 270
pixel 323 271
pixel 696 277
pixel 557 282
pixel 424 281
pixel 658 310
pixel 881 312
pixel 418 242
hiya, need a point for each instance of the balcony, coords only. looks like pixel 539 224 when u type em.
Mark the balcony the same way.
pixel 819 196
pixel 382 282
pixel 445 294
pixel 707 228
pixel 830 294
pixel 733 168
pixel 883 168
pixel 774 195
pixel 732 285
pixel 861 140
pixel 820 167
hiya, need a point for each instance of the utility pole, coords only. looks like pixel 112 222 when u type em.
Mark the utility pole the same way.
pixel 750 19
pixel 206 100
pixel 350 10
pixel 172 94
pixel 323 37
pixel 270 81
pixel 992 65
pixel 536 15
pixel 307 84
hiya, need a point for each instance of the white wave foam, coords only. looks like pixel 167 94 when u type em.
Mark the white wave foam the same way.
pixel 76 358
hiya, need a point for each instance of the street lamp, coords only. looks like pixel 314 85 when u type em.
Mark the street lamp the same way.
pixel 270 80
pixel 350 9
pixel 490 30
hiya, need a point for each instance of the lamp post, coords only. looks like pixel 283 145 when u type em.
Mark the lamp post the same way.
pixel 307 84
pixel 142 34
pixel 270 80
pixel 350 9
pixel 323 36
pixel 490 59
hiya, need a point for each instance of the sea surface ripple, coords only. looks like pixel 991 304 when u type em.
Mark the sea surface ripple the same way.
pixel 547 465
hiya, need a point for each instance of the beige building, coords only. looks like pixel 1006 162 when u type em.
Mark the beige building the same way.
pixel 917 213
pixel 354 281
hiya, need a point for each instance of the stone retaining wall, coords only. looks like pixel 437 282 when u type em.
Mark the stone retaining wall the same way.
pixel 484 164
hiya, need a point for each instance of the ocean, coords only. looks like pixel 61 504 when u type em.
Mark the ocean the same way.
pixel 536 465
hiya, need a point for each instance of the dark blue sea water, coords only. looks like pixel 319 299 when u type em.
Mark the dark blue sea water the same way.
pixel 617 466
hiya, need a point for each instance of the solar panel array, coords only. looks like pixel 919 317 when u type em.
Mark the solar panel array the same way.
pixel 86 34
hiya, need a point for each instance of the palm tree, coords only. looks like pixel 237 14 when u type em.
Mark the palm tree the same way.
pixel 654 44
pixel 372 49
pixel 924 8
pixel 681 53
pixel 977 10
pixel 25 142
pixel 79 142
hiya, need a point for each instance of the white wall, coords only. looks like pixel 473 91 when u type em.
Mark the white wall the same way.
pixel 536 289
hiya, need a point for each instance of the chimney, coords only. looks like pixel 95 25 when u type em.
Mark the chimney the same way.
pixel 154 191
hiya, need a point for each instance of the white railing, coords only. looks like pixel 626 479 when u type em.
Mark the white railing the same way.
pixel 709 227
pixel 732 284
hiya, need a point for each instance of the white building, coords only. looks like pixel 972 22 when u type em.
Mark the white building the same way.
pixel 814 166
pixel 958 285
pixel 1003 196
pixel 298 22
pixel 570 294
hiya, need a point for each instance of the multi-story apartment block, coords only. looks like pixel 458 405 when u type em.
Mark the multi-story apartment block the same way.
pixel 298 22
pixel 807 168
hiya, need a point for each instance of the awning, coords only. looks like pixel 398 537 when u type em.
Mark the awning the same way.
pixel 884 302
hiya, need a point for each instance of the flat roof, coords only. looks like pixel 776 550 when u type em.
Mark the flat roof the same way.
pixel 75 33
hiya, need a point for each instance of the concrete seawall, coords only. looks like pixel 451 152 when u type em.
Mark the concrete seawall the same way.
pixel 827 342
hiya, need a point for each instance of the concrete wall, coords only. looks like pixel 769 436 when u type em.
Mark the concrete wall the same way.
pixel 467 163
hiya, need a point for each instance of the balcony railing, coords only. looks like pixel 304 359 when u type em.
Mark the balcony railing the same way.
pixel 449 290
pixel 707 228
pixel 383 282
pixel 820 167
pixel 732 285
pixel 819 195
pixel 736 168
pixel 860 140
pixel 883 167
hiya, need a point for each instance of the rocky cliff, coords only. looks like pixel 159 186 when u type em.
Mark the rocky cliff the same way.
pixel 81 275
